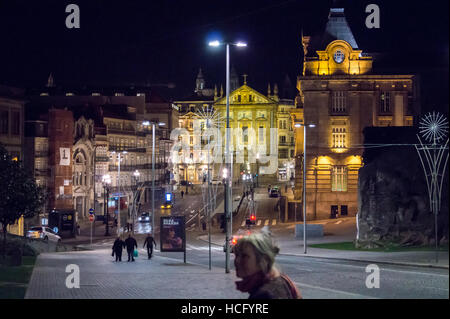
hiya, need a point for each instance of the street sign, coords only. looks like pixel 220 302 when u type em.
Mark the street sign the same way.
pixel 55 229
pixel 91 218
pixel 91 211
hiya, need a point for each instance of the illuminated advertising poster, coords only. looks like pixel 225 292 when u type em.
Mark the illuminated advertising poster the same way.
pixel 173 235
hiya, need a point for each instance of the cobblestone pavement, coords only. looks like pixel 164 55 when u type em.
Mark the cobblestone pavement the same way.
pixel 102 278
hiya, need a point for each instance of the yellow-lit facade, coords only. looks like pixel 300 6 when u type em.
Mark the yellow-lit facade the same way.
pixel 249 110
pixel 340 95
pixel 17 228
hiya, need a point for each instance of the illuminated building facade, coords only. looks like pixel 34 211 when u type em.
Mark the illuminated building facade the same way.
pixel 340 95
pixel 12 120
pixel 253 114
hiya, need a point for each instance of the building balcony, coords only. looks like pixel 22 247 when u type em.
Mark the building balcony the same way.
pixel 129 168
pixel 41 154
pixel 41 172
pixel 338 113
pixel 102 159
pixel 290 144
pixel 121 131
pixel 119 148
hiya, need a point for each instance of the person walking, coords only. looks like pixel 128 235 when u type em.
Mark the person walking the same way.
pixel 129 224
pixel 131 243
pixel 254 263
pixel 149 241
pixel 118 248
pixel 268 188
pixel 182 194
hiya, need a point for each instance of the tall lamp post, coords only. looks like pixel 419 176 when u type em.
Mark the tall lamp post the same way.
pixel 298 125
pixel 257 169
pixel 136 175
pixel 229 180
pixel 153 124
pixel 106 180
pixel 119 157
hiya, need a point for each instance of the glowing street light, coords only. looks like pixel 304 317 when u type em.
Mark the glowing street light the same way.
pixel 153 124
pixel 299 125
pixel 229 182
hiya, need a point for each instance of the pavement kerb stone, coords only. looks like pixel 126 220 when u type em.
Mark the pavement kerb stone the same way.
pixel 350 259
pixel 371 261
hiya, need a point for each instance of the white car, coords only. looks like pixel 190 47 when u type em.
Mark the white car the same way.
pixel 144 218
pixel 42 232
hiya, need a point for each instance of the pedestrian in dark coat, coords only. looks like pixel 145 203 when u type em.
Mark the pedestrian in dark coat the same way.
pixel 118 248
pixel 131 243
pixel 149 241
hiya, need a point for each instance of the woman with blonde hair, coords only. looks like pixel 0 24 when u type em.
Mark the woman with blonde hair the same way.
pixel 254 263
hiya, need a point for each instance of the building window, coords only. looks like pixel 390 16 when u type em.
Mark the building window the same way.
pixel 250 97
pixel 339 56
pixel 245 133
pixel 282 139
pixel 283 153
pixel 338 102
pixel 4 121
pixel 339 179
pixel 339 137
pixel 261 134
pixel 191 140
pixel 385 102
pixel 292 153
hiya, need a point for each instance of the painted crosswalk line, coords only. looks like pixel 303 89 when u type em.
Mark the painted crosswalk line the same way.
pixel 274 222
pixel 259 222
pixel 266 222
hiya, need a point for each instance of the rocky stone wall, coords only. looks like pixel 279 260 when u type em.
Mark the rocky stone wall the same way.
pixel 393 204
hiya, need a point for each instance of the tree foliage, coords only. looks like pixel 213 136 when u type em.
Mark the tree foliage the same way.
pixel 19 193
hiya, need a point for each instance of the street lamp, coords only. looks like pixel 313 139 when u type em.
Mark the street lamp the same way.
pixel 153 124
pixel 229 182
pixel 106 181
pixel 298 125
pixel 136 175
pixel 118 188
pixel 257 169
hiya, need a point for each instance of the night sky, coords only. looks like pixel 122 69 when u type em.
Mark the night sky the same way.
pixel 139 42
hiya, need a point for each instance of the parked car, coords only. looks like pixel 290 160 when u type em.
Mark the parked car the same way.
pixel 274 192
pixel 216 182
pixel 42 232
pixel 144 218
